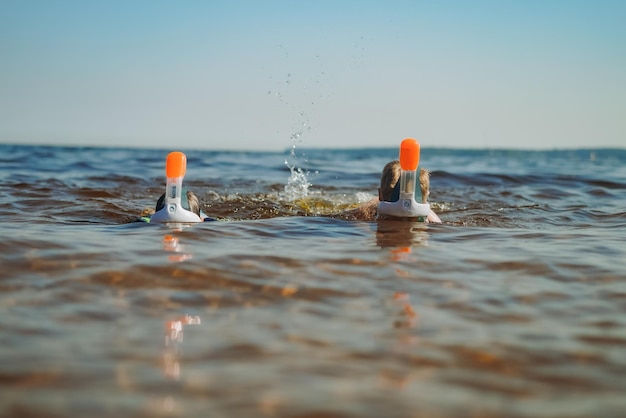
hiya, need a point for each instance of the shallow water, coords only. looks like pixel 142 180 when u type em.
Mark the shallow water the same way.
pixel 514 307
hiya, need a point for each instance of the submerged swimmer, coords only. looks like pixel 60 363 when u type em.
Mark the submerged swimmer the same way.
pixel 389 190
pixel 177 204
pixel 394 203
pixel 189 201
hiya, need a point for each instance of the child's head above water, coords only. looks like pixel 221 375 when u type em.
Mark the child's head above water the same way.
pixel 389 190
pixel 189 201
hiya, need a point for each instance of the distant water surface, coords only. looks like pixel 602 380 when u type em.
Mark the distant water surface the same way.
pixel 514 307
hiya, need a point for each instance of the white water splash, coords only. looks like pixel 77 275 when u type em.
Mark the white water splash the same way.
pixel 298 184
pixel 292 92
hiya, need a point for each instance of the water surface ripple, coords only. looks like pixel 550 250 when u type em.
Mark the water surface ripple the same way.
pixel 513 307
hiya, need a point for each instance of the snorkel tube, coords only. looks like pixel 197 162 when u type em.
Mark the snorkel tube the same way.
pixel 406 206
pixel 173 210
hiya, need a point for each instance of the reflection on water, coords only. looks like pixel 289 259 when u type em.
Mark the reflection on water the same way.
pixel 171 244
pixel 174 331
pixel 401 234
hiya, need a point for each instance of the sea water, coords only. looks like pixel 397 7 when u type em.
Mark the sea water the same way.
pixel 515 306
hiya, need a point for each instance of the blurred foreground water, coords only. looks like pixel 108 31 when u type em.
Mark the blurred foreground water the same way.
pixel 514 307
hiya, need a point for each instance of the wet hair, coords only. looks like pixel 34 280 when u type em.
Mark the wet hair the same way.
pixel 191 203
pixel 425 184
pixel 194 203
pixel 390 182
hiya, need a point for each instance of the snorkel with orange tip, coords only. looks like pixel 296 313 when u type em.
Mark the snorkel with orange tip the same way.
pixel 406 206
pixel 173 210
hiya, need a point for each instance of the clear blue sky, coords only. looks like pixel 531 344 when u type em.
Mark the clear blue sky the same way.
pixel 255 74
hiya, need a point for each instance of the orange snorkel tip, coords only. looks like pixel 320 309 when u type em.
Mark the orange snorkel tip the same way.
pixel 175 165
pixel 409 154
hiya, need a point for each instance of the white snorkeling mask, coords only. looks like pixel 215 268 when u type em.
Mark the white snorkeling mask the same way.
pixel 173 209
pixel 406 206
